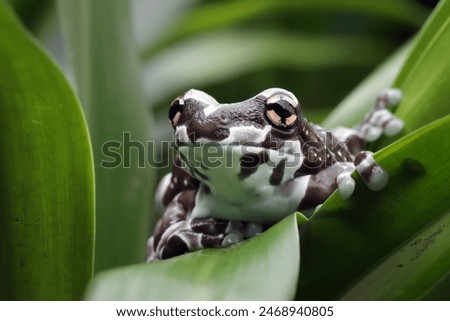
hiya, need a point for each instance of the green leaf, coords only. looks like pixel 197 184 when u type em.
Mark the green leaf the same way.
pixel 216 15
pixel 46 175
pixel 105 64
pixel 411 271
pixel 263 268
pixel 425 76
pixel 349 242
pixel 362 99
pixel 228 54
pixel 346 240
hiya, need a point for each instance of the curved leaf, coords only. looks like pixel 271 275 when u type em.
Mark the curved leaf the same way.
pixel 215 57
pixel 46 171
pixel 215 15
pixel 411 271
pixel 361 100
pixel 368 229
pixel 263 268
pixel 105 64
pixel 345 240
pixel 425 77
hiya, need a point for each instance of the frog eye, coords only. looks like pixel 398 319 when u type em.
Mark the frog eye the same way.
pixel 281 110
pixel 175 111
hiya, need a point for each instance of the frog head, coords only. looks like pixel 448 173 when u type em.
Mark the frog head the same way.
pixel 238 151
pixel 271 116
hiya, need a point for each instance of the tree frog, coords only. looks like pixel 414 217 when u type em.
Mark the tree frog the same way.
pixel 243 166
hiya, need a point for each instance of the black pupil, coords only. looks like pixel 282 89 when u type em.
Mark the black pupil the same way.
pixel 282 107
pixel 174 109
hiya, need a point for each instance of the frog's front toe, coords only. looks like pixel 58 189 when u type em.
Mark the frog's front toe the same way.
pixel 346 184
pixel 394 127
pixel 232 238
pixel 393 96
pixel 373 133
pixel 378 179
pixel 375 177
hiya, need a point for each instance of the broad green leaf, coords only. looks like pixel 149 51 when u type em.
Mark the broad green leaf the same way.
pixel 425 76
pixel 411 271
pixel 216 57
pixel 46 175
pixel 362 99
pixel 366 229
pixel 440 291
pixel 105 64
pixel 263 268
pixel 346 240
pixel 215 15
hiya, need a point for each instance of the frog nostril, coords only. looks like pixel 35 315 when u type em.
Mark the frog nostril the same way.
pixel 224 119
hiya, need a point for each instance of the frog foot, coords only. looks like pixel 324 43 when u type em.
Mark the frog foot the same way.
pixel 196 234
pixel 375 177
pixel 380 120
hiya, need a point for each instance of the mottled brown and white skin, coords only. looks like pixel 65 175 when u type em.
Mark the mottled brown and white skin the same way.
pixel 241 167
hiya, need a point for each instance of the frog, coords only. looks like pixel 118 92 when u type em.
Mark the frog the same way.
pixel 241 167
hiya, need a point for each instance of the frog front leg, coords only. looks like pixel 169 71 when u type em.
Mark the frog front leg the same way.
pixel 378 121
pixel 318 187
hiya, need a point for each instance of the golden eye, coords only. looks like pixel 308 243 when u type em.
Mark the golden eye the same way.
pixel 281 111
pixel 176 108
pixel 291 120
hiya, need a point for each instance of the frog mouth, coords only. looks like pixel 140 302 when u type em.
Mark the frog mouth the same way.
pixel 291 148
pixel 238 135
pixel 204 158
